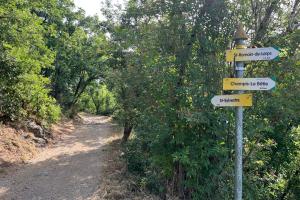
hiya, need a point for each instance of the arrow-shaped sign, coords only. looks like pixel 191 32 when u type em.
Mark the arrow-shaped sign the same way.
pixel 248 84
pixel 232 100
pixel 253 54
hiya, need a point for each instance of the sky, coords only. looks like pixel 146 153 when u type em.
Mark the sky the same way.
pixel 93 7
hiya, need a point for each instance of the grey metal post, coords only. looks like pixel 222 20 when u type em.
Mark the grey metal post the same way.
pixel 240 38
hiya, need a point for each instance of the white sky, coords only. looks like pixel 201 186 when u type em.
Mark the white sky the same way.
pixel 93 7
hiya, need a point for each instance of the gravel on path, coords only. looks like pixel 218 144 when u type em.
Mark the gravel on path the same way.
pixel 68 170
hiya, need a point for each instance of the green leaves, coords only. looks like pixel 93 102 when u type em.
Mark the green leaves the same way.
pixel 23 56
pixel 97 99
pixel 164 85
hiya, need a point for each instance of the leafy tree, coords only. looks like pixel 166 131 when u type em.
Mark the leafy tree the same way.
pixel 84 60
pixel 169 63
pixel 97 99
pixel 81 49
pixel 23 56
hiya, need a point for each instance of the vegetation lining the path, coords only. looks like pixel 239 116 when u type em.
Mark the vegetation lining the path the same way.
pixel 170 62
pixel 155 66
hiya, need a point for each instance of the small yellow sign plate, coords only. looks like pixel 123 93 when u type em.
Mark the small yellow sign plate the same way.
pixel 232 100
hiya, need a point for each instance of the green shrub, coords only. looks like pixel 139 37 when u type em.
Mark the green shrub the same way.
pixel 139 164
pixel 24 91
pixel 97 99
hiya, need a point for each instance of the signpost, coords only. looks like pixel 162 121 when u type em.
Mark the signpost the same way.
pixel 239 37
pixel 248 84
pixel 253 54
pixel 239 100
pixel 232 100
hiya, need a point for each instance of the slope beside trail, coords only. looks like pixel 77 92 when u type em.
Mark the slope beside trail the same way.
pixel 70 169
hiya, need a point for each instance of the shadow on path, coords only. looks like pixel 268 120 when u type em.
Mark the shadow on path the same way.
pixel 70 170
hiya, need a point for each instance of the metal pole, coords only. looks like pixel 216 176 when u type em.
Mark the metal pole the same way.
pixel 238 187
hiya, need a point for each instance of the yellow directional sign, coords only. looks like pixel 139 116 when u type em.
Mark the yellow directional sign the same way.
pixel 232 100
pixel 251 54
pixel 248 84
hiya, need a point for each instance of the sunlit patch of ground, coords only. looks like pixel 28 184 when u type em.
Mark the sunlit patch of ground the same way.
pixel 85 163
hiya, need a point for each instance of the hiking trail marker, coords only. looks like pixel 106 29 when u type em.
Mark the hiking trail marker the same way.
pixel 232 100
pixel 252 54
pixel 239 100
pixel 248 84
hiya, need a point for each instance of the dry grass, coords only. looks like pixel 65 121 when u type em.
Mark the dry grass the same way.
pixel 16 147
pixel 117 184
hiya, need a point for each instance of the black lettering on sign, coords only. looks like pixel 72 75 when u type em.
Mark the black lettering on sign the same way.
pixel 229 100
pixel 245 54
pixel 239 84
pixel 261 83
pixel 266 53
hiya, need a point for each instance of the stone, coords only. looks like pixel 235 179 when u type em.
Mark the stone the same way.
pixel 36 129
pixel 40 142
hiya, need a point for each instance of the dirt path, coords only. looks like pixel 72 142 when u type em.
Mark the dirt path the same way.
pixel 69 170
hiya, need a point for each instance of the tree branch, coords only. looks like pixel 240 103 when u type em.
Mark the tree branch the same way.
pixel 263 27
pixel 292 18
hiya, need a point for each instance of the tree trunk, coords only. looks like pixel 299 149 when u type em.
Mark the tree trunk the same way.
pixel 127 131
pixel 263 27
pixel 293 16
